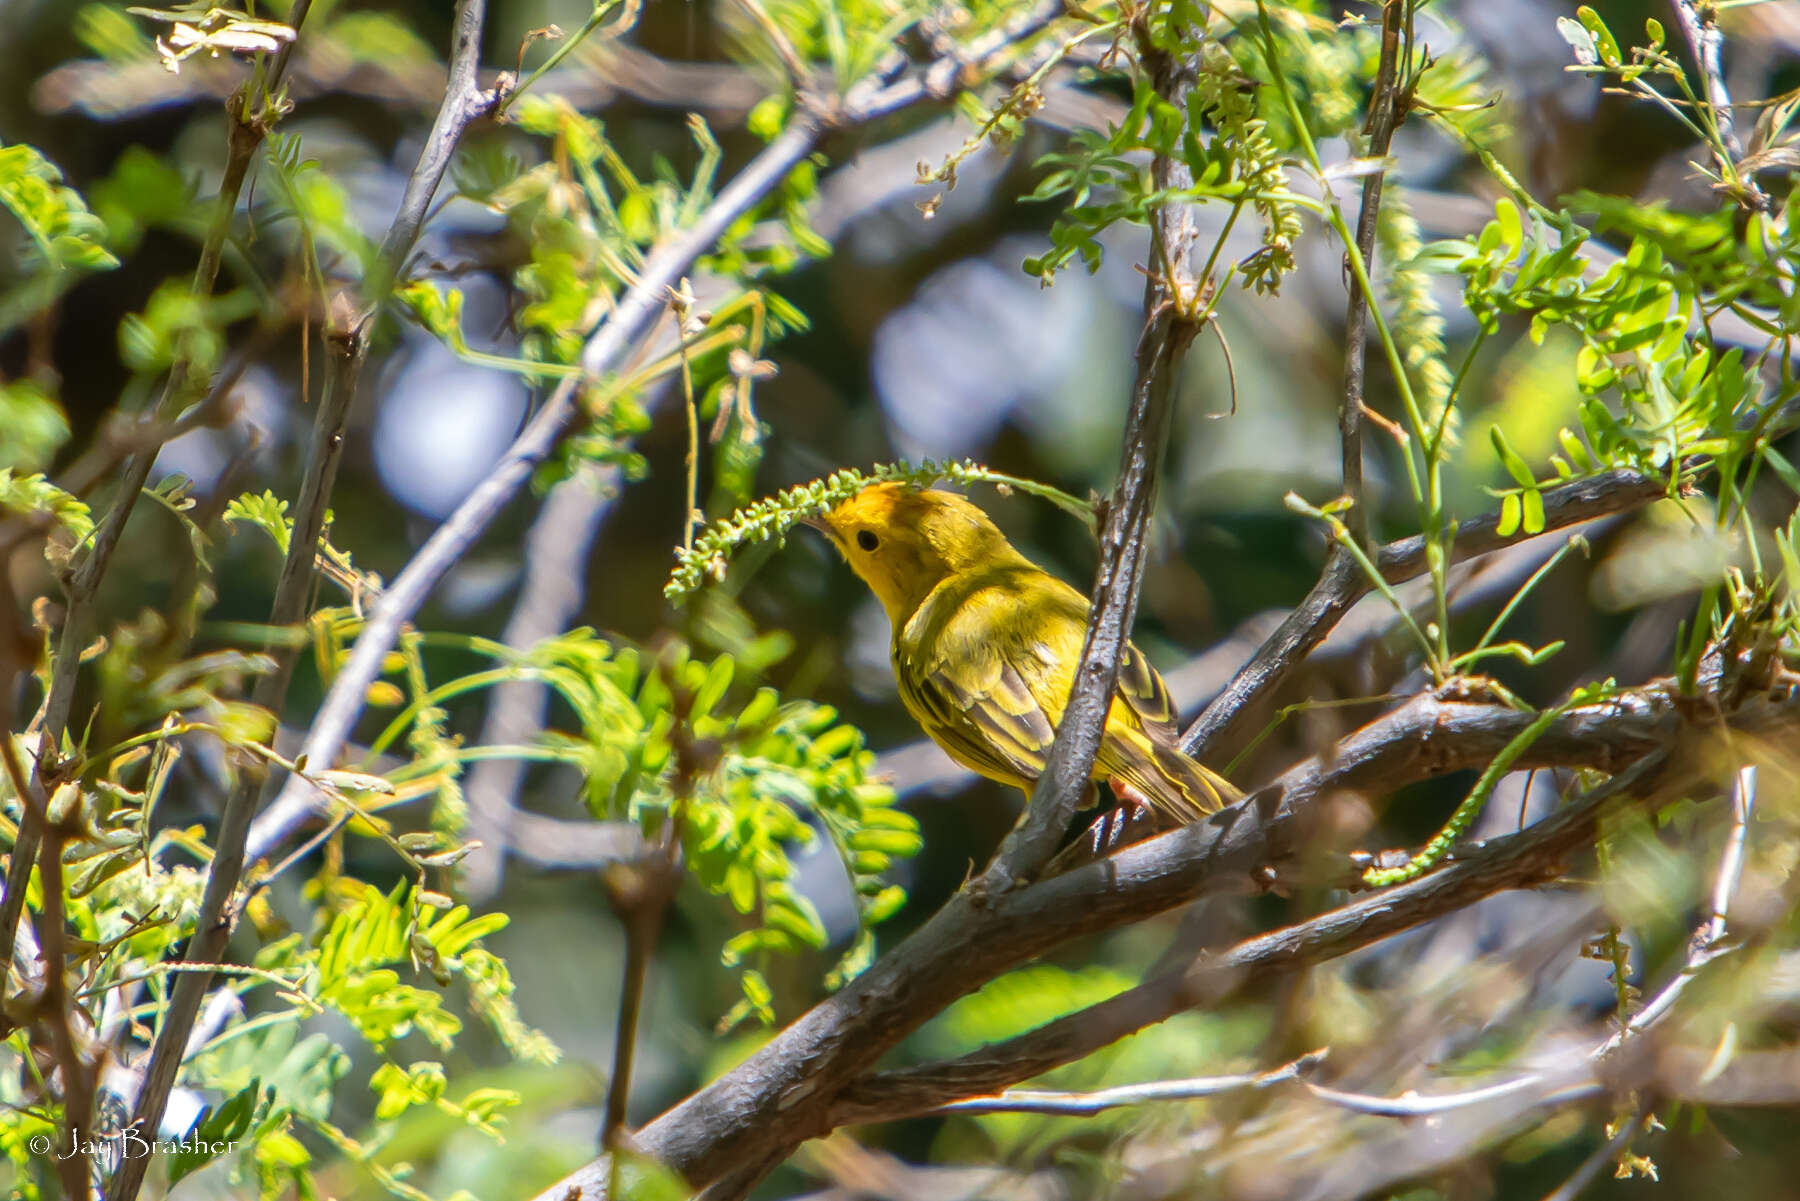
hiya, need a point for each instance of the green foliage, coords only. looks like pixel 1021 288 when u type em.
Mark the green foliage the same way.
pixel 110 33
pixel 267 512
pixel 34 495
pixel 589 219
pixel 144 192
pixel 1674 396
pixel 846 37
pixel 376 37
pixel 1024 1000
pixel 1106 181
pixel 1472 805
pixel 180 327
pixel 35 426
pixel 63 240
pixel 231 1122
pixel 778 774
pixel 312 207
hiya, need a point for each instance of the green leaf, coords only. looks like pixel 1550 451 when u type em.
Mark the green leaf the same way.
pixel 1511 513
pixel 1509 458
pixel 33 495
pixel 1604 42
pixel 1532 521
pixel 34 424
pixel 267 512
pixel 1512 229
pixel 215 1129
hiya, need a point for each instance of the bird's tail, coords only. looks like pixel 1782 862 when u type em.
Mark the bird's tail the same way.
pixel 1176 786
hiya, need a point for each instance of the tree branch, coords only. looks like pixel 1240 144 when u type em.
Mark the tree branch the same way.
pixel 1528 859
pixel 1170 297
pixel 788 1091
pixel 1380 131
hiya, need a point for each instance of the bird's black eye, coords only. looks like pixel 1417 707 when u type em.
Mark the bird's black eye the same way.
pixel 867 539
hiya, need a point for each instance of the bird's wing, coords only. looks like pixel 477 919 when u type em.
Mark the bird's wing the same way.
pixel 981 710
pixel 1142 687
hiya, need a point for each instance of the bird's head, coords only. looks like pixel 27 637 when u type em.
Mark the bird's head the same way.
pixel 905 541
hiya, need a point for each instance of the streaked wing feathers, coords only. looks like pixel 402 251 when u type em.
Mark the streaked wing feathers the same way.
pixel 1143 689
pixel 986 714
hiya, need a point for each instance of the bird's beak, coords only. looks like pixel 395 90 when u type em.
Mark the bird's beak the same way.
pixel 824 527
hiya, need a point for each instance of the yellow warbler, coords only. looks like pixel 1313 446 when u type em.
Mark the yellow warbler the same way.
pixel 986 645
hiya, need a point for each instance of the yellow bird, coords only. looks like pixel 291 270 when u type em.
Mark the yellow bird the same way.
pixel 985 649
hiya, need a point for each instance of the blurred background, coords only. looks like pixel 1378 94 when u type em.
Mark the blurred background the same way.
pixel 927 339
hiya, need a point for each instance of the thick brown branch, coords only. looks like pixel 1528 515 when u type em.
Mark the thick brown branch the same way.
pixel 785 1093
pixel 1529 859
pixel 1170 293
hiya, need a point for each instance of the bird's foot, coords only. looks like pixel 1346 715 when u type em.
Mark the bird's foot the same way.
pixel 1132 799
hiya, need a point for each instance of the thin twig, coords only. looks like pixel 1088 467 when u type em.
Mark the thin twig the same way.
pixel 1590 1167
pixel 1709 941
pixel 1078 1104
pixel 1415 1105
pixel 1705 40
pixel 640 892
pixel 1731 863
pixel 1382 120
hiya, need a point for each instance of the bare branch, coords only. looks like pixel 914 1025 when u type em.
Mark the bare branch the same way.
pixel 1383 113
pixel 1705 40
pixel 1415 1105
pixel 1170 298
pixel 1025 1100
